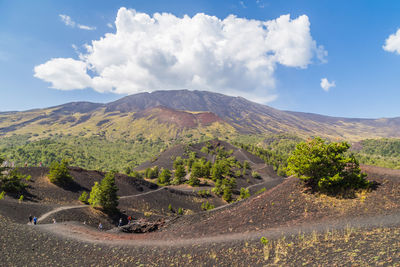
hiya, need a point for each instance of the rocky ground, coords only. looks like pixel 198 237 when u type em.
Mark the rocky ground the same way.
pixel 299 229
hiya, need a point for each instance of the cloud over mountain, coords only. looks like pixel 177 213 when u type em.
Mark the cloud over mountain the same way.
pixel 234 56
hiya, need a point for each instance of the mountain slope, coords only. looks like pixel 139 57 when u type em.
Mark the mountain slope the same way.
pixel 173 114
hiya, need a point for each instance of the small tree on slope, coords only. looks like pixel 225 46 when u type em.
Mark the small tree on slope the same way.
pixel 325 167
pixel 104 195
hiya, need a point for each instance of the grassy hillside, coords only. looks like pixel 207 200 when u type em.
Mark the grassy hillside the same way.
pixel 383 152
pixel 94 153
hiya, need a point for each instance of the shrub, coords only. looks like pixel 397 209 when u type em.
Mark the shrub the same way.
pixel 244 193
pixel 84 197
pixel 204 149
pixel 180 173
pixel 94 199
pixel 238 173
pixel 2 194
pixel 261 190
pixel 227 196
pixel 180 211
pixel 164 177
pixel 255 175
pixel 326 168
pixel 151 173
pixel 12 182
pixel 136 174
pixel 204 193
pixel 246 165
pixel 21 198
pixel 59 173
pixel 207 206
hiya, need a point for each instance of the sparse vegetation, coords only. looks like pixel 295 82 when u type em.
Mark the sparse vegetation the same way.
pixel 179 174
pixel 180 211
pixel 244 193
pixel 204 193
pixel 164 177
pixel 207 206
pixel 59 174
pixel 11 180
pixel 261 191
pixel 84 197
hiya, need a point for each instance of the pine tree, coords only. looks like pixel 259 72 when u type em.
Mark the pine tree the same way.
pixel 94 199
pixel 180 173
pixel 59 173
pixel 108 193
pixel 164 177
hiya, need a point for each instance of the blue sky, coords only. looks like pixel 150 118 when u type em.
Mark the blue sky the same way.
pixel 351 32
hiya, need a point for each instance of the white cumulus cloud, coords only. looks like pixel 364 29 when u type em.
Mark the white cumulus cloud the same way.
pixel 69 22
pixel 326 85
pixel 392 43
pixel 64 73
pixel 235 56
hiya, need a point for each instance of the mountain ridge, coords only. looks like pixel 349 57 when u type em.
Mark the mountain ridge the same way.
pixel 238 113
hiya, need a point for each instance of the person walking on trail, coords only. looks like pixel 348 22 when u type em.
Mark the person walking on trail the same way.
pixel 54 220
pixel 30 219
pixel 120 222
pixel 100 226
pixel 34 220
pixel 129 219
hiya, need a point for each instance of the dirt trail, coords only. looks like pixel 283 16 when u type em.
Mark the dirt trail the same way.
pixel 142 194
pixel 244 155
pixel 47 214
pixel 89 235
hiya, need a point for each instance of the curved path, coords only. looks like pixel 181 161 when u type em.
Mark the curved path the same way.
pixel 86 234
pixel 47 214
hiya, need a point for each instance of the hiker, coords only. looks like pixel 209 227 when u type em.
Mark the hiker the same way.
pixel 129 219
pixel 40 164
pixel 34 220
pixel 30 219
pixel 26 164
pixel 100 226
pixel 54 220
pixel 120 222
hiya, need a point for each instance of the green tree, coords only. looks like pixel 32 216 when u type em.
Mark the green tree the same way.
pixel 194 181
pixel 244 193
pixel 84 197
pixel 180 173
pixel 164 177
pixel 12 181
pixel 108 193
pixel 227 196
pixel 59 174
pixel 325 167
pixel 197 170
pixel 177 162
pixel 95 195
pixel 246 165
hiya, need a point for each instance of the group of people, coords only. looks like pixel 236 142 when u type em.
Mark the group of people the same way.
pixel 33 220
pixel 120 223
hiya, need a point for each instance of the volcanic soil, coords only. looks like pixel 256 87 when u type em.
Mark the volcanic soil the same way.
pixel 300 228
